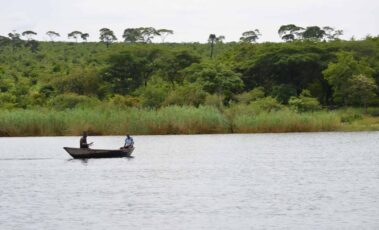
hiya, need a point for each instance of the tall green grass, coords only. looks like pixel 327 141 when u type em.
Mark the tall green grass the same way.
pixel 112 121
pixel 287 121
pixel 168 120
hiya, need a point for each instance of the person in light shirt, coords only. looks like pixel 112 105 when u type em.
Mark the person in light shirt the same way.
pixel 129 142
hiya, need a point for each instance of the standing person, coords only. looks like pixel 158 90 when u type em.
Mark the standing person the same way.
pixel 129 142
pixel 83 141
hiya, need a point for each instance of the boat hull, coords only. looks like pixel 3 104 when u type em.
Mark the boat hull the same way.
pixel 79 153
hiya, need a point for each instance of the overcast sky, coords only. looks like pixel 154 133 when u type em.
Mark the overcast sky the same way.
pixel 191 20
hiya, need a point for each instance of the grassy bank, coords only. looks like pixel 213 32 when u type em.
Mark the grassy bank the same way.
pixel 177 120
pixel 169 120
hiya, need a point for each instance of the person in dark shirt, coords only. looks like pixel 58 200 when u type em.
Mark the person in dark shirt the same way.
pixel 83 141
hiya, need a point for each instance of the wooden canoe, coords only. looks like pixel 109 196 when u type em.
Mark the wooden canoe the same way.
pixel 79 153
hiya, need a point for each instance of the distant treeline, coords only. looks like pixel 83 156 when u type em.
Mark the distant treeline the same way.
pixel 312 70
pixel 288 32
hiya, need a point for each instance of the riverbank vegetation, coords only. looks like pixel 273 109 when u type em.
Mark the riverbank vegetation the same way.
pixel 311 82
pixel 180 120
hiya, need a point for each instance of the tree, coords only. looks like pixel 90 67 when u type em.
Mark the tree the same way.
pixel 131 69
pixel 313 33
pixel 215 78
pixel 283 92
pixel 84 36
pixel 250 36
pixel 75 34
pixel 107 36
pixel 79 81
pixel 173 63
pixel 4 40
pixel 340 74
pixel 163 33
pixel 141 34
pixel 132 35
pixel 289 32
pixel 362 90
pixel 52 34
pixel 29 34
pixel 212 39
pixel 14 36
pixel 331 33
pixel 33 45
pixel 15 39
pixel 148 33
pixel 220 39
pixel 298 65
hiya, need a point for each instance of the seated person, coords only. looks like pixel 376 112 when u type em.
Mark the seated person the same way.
pixel 83 141
pixel 129 142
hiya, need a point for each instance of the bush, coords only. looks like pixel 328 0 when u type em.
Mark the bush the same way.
pixel 214 100
pixel 125 101
pixel 154 94
pixel 187 94
pixel 81 82
pixel 283 92
pixel 266 104
pixel 304 103
pixel 7 100
pixel 374 112
pixel 349 118
pixel 71 100
pixel 250 96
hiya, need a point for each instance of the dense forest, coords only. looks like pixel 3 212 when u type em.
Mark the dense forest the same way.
pixel 308 71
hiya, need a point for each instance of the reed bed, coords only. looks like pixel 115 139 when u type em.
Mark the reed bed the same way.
pixel 112 121
pixel 287 121
pixel 176 120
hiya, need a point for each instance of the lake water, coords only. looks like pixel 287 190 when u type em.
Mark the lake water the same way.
pixel 255 181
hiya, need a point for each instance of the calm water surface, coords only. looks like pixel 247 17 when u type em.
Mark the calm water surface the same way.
pixel 262 181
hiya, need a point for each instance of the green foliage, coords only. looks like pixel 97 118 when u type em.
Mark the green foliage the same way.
pixel 32 73
pixel 266 104
pixel 283 92
pixel 252 95
pixel 129 70
pixel 171 64
pixel 80 82
pixel 289 32
pixel 75 34
pixel 71 100
pixel 304 102
pixel 215 78
pixel 163 33
pixel 141 34
pixel 287 121
pixel 362 89
pixel 7 100
pixel 373 112
pixel 214 100
pixel 154 93
pixel 340 75
pixel 313 33
pixel 125 101
pixel 52 34
pixel 187 94
pixel 107 36
pixel 250 36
